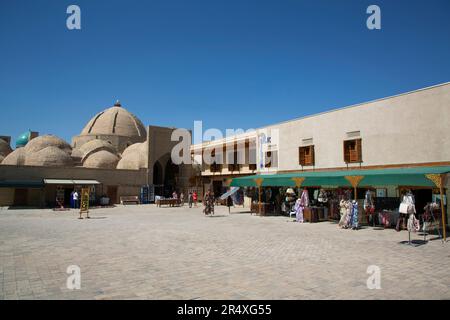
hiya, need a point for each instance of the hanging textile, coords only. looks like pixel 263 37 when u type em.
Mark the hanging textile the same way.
pixel 354 214
pixel 407 205
pixel 368 201
pixel 303 202
pixel 346 213
pixel 323 197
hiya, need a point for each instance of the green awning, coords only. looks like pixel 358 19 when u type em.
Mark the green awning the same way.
pixel 415 176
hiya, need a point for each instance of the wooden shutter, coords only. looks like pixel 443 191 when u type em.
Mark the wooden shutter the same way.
pixel 358 150
pixel 301 156
pixel 312 152
pixel 352 151
pixel 306 156
pixel 346 152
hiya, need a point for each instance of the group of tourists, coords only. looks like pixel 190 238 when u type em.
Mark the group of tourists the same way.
pixel 208 200
pixel 192 198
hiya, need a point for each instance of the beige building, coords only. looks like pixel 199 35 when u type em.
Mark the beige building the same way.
pixel 115 155
pixel 405 130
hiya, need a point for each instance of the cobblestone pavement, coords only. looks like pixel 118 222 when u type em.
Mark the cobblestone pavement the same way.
pixel 145 252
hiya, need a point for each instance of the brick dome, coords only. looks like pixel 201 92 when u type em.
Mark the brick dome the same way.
pixel 116 121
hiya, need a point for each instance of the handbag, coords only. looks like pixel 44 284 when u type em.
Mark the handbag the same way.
pixel 403 208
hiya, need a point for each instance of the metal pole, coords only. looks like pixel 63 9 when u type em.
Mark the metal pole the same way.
pixel 441 189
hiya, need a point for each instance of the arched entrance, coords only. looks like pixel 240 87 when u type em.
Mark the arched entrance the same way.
pixel 157 173
pixel 171 174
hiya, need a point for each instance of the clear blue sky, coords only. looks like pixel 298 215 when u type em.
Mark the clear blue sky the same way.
pixel 231 63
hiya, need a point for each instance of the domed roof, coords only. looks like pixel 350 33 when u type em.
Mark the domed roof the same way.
pixel 23 139
pixel 42 142
pixel 50 156
pixel 5 148
pixel 101 159
pixel 76 154
pixel 116 121
pixel 96 144
pixel 134 157
pixel 15 158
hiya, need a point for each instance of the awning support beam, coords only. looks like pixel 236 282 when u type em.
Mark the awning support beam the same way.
pixel 354 181
pixel 259 182
pixel 438 180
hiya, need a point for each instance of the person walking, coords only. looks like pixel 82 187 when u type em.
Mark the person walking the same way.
pixel 182 199
pixel 190 199
pixel 208 203
pixel 229 203
pixel 195 198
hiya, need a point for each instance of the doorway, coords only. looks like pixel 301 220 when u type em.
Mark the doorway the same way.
pixel 112 194
pixel 20 197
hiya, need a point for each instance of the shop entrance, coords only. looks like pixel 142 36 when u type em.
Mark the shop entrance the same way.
pixel 67 196
pixel 422 197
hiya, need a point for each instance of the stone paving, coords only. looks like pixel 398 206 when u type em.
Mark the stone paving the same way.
pixel 145 252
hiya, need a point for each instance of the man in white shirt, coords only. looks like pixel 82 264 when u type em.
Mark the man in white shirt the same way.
pixel 75 199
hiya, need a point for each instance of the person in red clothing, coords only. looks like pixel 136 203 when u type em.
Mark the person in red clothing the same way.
pixel 195 198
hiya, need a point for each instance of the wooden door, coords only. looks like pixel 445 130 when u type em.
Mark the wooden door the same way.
pixel 112 194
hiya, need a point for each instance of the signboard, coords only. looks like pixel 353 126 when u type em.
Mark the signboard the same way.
pixel 147 194
pixel 84 206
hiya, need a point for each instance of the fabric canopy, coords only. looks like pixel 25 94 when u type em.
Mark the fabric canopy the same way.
pixel 415 176
pixel 232 191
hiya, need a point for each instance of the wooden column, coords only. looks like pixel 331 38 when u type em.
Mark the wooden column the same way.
pixel 438 180
pixel 354 181
pixel 259 182
pixel 298 183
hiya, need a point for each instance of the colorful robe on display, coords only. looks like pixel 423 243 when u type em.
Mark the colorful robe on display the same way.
pixel 344 215
pixel 302 203
pixel 355 214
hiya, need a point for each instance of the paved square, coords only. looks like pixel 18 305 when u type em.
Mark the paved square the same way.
pixel 145 252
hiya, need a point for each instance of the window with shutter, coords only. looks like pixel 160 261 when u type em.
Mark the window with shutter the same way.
pixel 306 155
pixel 352 151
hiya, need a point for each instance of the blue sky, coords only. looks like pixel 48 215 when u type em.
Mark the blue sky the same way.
pixel 232 64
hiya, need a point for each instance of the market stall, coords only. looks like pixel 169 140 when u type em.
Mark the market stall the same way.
pixel 427 177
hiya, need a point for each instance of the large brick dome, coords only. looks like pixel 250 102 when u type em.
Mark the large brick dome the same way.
pixel 116 125
pixel 116 121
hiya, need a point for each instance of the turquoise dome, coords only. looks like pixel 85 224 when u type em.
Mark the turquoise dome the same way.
pixel 23 139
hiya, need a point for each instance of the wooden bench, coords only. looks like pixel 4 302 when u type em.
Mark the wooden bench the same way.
pixel 168 202
pixel 129 199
